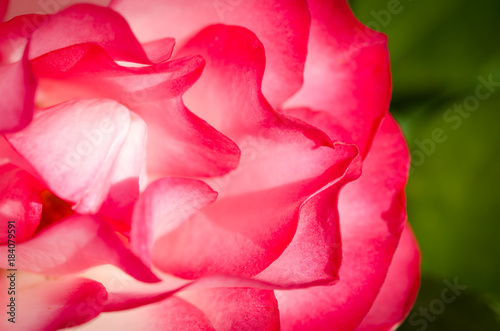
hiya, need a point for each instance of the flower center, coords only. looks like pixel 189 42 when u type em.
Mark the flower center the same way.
pixel 54 209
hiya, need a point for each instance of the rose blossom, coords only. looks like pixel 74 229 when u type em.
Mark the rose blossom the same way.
pixel 249 178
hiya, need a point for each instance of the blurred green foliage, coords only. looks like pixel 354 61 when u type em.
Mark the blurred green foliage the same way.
pixel 463 312
pixel 438 51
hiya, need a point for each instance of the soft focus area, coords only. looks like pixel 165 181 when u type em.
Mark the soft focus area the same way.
pixel 445 59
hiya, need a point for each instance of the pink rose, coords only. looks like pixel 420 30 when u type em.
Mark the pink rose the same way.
pixel 249 178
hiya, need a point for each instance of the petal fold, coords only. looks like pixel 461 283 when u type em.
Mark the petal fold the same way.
pixel 126 176
pixel 284 161
pixel 237 308
pixel 160 50
pixel 400 288
pixel 162 207
pixel 180 143
pixel 73 245
pixel 86 23
pixel 17 86
pixel 45 7
pixel 14 36
pixel 372 217
pixel 282 26
pixel 20 204
pixel 53 304
pixel 315 253
pixel 242 233
pixel 171 314
pixel 73 147
pixel 351 63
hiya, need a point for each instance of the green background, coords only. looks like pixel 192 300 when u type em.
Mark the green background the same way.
pixel 438 51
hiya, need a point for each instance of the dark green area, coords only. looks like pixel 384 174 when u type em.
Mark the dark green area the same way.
pixel 439 49
pixel 461 311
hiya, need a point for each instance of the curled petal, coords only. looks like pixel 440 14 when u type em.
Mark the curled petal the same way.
pixel 171 314
pixel 126 292
pixel 315 253
pixel 73 245
pixel 45 7
pixel 20 203
pixel 352 62
pixel 73 147
pixel 17 86
pixel 53 304
pixel 284 161
pixel 126 175
pixel 15 33
pixel 179 143
pixel 91 68
pixel 243 233
pixel 162 207
pixel 281 25
pixel 9 155
pixel 372 214
pixel 235 66
pixel 400 288
pixel 228 94
pixel 85 23
pixel 183 144
pixel 237 308
pixel 76 25
pixel 159 50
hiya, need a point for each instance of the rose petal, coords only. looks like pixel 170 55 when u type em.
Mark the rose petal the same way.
pixel 352 62
pixel 242 234
pixel 285 161
pixel 20 202
pixel 88 24
pixel 182 144
pixel 3 8
pixel 282 26
pixel 84 23
pixel 235 67
pixel 88 69
pixel 17 87
pixel 126 292
pixel 163 206
pixel 314 255
pixel 45 7
pixel 170 314
pixel 160 50
pixel 400 288
pixel 179 142
pixel 75 244
pixel 54 304
pixel 237 308
pixel 321 120
pixel 125 176
pixel 14 35
pixel 73 146
pixel 372 215
pixel 9 156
